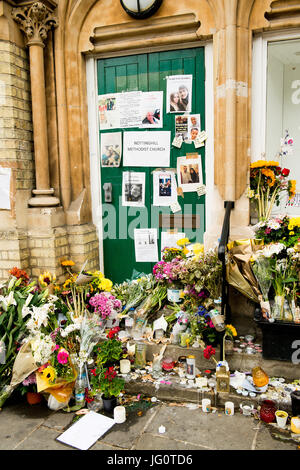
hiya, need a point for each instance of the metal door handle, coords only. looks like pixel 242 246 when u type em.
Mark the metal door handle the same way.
pixel 107 188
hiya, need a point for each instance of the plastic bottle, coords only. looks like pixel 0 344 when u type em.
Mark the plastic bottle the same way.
pixel 216 316
pixel 80 390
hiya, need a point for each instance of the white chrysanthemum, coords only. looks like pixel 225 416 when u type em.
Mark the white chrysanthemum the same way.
pixel 69 329
pixel 273 224
pixel 42 346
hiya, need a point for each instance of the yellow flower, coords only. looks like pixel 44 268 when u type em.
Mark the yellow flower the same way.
pixel 292 233
pixel 263 163
pixel 46 278
pixel 292 189
pixel 198 248
pixel 67 262
pixel 270 175
pixel 49 374
pixel 231 330
pixel 183 241
pixel 69 281
pixel 106 284
pixel 294 222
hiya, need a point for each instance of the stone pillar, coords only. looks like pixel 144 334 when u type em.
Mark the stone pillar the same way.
pixel 35 21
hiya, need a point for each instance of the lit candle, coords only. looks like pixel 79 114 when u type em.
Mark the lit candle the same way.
pixel 125 366
pixel 119 414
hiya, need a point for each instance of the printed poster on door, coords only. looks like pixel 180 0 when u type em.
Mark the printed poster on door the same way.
pixel 179 93
pixel 146 148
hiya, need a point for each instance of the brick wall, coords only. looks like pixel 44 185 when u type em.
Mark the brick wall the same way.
pixel 16 136
pixel 16 152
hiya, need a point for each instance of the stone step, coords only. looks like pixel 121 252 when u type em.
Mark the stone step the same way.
pixel 240 361
pixel 168 388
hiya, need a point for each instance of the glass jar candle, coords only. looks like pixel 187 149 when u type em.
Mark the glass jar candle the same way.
pixel 267 411
pixel 140 355
pixel 168 364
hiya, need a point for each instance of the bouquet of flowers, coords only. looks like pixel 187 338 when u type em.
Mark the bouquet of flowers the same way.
pixel 267 181
pixel 106 306
pixel 279 229
pixel 58 375
pixel 261 268
pixel 168 271
pixel 134 292
pixel 203 275
pixel 17 294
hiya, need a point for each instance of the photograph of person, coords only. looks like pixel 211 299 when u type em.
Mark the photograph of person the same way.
pixel 175 103
pixel 189 174
pixel 165 186
pixel 194 133
pixel 179 93
pixel 111 149
pixel 152 117
pixel 111 156
pixel 133 192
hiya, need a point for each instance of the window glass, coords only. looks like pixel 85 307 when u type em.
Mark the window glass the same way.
pixel 283 113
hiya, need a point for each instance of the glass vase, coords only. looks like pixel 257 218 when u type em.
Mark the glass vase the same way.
pixel 277 310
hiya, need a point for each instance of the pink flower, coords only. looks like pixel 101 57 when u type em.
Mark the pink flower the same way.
pixel 63 356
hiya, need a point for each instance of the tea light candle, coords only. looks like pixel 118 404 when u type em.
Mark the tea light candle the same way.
pixel 119 414
pixel 201 381
pixel 206 405
pixel 229 408
pixel 125 366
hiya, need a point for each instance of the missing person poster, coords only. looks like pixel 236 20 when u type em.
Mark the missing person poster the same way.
pixel 152 109
pixel 147 148
pixel 119 110
pixel 179 93
pixel 133 189
pixel 164 188
pixel 111 149
pixel 131 109
pixel 189 173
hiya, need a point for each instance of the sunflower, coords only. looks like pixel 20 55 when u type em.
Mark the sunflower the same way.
pixel 263 163
pixel 46 278
pixel 67 262
pixel 49 374
pixel 270 176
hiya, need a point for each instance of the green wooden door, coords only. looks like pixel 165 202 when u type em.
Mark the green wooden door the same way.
pixel 148 72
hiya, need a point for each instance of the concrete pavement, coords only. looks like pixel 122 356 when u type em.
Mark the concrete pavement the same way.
pixel 25 427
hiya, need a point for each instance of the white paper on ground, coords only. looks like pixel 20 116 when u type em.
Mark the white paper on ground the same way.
pixel 86 431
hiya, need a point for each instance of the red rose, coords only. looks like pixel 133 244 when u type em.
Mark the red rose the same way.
pixel 93 371
pixel 285 172
pixel 208 352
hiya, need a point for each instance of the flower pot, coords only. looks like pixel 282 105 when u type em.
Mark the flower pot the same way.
pixel 33 398
pixel 109 404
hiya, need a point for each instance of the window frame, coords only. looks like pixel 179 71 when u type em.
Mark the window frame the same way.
pixel 259 89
